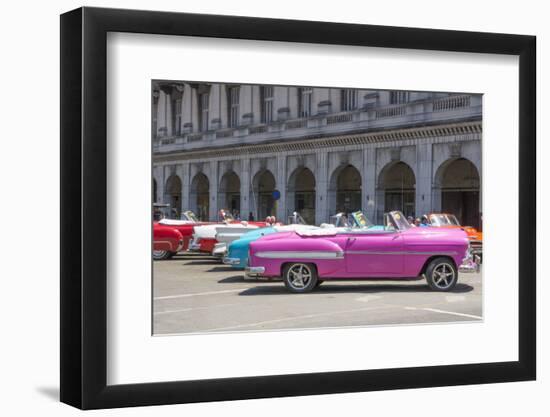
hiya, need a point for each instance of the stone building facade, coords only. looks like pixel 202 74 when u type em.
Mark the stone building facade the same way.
pixel 271 150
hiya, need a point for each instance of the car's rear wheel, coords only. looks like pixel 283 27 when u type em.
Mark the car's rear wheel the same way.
pixel 159 255
pixel 441 274
pixel 300 277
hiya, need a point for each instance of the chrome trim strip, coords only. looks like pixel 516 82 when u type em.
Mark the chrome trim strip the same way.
pixel 254 271
pixel 368 252
pixel 300 255
pixel 231 261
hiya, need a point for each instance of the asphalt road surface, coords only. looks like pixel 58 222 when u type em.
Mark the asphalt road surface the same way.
pixel 197 294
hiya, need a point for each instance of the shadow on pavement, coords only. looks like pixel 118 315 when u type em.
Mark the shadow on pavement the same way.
pixel 203 262
pixel 355 288
pixel 232 279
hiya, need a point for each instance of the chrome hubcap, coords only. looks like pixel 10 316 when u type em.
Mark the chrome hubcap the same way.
pixel 299 276
pixel 159 253
pixel 443 276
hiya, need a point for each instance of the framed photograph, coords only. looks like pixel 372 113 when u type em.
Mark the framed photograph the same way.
pixel 258 208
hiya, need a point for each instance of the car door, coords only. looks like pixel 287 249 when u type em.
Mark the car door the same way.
pixel 375 254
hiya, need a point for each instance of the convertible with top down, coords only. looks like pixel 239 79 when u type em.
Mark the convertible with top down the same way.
pixel 304 259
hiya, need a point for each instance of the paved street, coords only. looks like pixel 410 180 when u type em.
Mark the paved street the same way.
pixel 194 293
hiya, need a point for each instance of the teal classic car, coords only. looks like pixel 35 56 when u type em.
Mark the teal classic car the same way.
pixel 237 252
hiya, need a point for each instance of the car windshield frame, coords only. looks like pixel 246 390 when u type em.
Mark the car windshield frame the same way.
pixel 442 219
pixel 360 220
pixel 398 220
pixel 189 215
pixel 226 216
pixel 296 218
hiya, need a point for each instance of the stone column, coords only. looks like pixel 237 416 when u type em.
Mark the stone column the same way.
pixel 369 186
pixel 293 102
pixel 186 109
pixel 281 186
pixel 214 110
pixel 245 104
pixel 256 108
pixel 245 188
pixel 161 185
pixel 164 113
pixel 185 185
pixel 158 173
pixel 213 190
pixel 321 189
pixel 424 163
pixel 223 106
pixel 195 110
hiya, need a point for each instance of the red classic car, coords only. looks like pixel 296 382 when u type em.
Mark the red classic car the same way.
pixel 167 241
pixel 185 224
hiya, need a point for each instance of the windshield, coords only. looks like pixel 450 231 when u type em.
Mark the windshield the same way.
pixel 296 219
pixel 163 211
pixel 360 220
pixel 443 220
pixel 226 216
pixel 396 220
pixel 339 220
pixel 355 220
pixel 189 215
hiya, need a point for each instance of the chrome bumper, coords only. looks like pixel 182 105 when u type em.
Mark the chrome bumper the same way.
pixel 254 271
pixel 231 261
pixel 219 249
pixel 194 246
pixel 469 265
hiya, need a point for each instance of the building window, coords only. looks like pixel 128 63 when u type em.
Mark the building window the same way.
pixel 349 99
pixel 399 97
pixel 266 101
pixel 233 99
pixel 203 111
pixel 304 101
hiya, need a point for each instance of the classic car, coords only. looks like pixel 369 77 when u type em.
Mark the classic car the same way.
pixel 185 224
pixel 450 221
pixel 204 236
pixel 237 251
pixel 167 241
pixel 400 251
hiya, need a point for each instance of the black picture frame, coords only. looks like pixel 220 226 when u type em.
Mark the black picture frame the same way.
pixel 84 207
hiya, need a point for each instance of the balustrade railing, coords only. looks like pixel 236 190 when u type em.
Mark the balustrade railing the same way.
pixel 418 110
pixel 451 103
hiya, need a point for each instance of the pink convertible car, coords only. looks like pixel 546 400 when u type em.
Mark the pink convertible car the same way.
pixel 305 259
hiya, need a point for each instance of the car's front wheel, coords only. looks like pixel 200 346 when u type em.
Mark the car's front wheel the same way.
pixel 159 255
pixel 300 277
pixel 441 274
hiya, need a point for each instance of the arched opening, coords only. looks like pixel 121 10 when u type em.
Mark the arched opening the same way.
pixel 263 186
pixel 458 180
pixel 155 190
pixel 199 197
pixel 301 194
pixel 229 193
pixel 398 183
pixel 173 193
pixel 345 189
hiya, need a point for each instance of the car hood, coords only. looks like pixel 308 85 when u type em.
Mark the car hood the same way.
pixel 437 233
